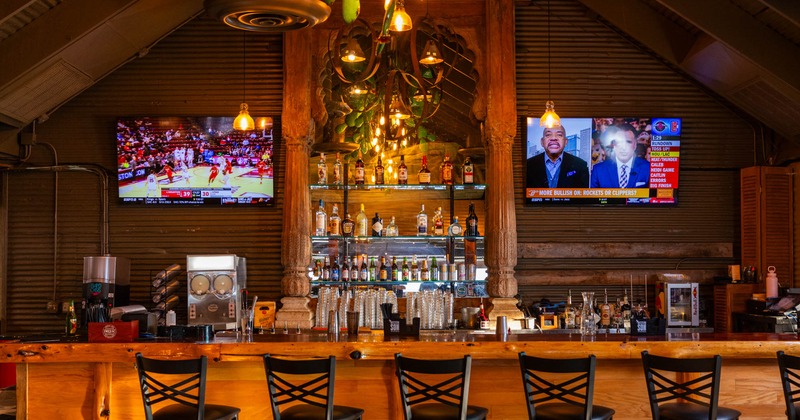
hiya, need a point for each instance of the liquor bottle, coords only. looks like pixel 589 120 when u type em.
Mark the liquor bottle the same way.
pixel 322 170
pixel 434 270
pixel 402 171
pixel 414 269
pixel 626 312
pixel 569 313
pixel 338 174
pixel 424 274
pixel 335 273
pixel 355 269
pixel 364 273
pixel 424 172
pixel 383 271
pixel 335 222
pixel 447 170
pixel 468 172
pixel 348 226
pixel 392 230
pixel 455 228
pixel 639 320
pixel 422 222
pixel 373 270
pixel 377 225
pixel 326 269
pixel 438 223
pixel 345 275
pixel 71 320
pixel 484 320
pixel 472 222
pixel 316 272
pixel 395 273
pixel 321 220
pixel 605 311
pixel 362 223
pixel 379 172
pixel 406 272
pixel 359 172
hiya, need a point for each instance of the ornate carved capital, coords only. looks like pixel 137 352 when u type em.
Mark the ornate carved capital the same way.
pixel 502 284
pixel 295 282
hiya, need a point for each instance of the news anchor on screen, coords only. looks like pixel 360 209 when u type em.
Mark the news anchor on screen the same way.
pixel 624 169
pixel 555 168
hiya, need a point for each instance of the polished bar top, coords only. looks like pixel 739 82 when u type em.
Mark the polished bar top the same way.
pixel 371 346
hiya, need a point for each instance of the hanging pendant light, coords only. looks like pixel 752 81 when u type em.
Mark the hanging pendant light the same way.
pixel 550 119
pixel 353 52
pixel 401 21
pixel 431 54
pixel 243 121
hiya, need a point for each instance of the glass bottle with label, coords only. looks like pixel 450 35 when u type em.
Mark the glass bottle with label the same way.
pixel 355 269
pixel 402 171
pixel 455 228
pixel 391 229
pixel 359 172
pixel 472 222
pixel 414 269
pixel 362 223
pixel 71 320
pixel 625 307
pixel 468 172
pixel 605 311
pixel 321 220
pixel 326 269
pixel 447 171
pixel 338 173
pixel 569 313
pixel 422 222
pixel 434 269
pixel 383 271
pixel 438 222
pixel 377 225
pixel 335 269
pixel 405 270
pixel 346 269
pixel 424 172
pixel 379 172
pixel 424 274
pixel 322 170
pixel 335 222
pixel 373 270
pixel 395 270
pixel 348 226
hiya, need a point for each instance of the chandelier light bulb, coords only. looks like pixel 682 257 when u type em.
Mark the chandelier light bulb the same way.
pixel 550 119
pixel 401 21
pixel 243 121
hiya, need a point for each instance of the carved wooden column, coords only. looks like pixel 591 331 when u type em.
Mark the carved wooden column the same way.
pixel 500 128
pixel 298 134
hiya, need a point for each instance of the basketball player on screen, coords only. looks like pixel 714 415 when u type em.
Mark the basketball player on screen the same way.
pixel 213 174
pixel 152 184
pixel 262 167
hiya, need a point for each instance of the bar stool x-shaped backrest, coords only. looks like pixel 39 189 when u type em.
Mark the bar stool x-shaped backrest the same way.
pixel 790 380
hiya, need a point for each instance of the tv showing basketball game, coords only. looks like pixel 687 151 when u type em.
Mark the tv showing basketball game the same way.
pixel 195 160
pixel 603 161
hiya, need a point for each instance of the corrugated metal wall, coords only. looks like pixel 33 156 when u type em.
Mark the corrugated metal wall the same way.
pixel 595 72
pixel 196 71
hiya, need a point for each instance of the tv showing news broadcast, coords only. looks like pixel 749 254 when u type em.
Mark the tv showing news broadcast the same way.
pixel 603 161
pixel 195 160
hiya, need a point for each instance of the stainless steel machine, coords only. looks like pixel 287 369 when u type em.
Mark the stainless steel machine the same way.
pixel 214 282
pixel 106 283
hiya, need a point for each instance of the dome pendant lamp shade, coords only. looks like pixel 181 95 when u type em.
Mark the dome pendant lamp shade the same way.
pixel 243 121
pixel 550 119
pixel 401 22
pixel 430 55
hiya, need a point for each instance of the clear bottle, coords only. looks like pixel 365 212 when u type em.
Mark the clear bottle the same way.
pixel 424 173
pixel 455 228
pixel 322 170
pixel 338 173
pixel 377 225
pixel 362 223
pixel 348 226
pixel 569 313
pixel 438 222
pixel 383 271
pixel 447 170
pixel 424 274
pixel 467 172
pixel 472 222
pixel 321 225
pixel 414 269
pixel 359 172
pixel 71 327
pixel 405 270
pixel 402 171
pixel 335 222
pixel 625 307
pixel 392 229
pixel 422 222
pixel 379 172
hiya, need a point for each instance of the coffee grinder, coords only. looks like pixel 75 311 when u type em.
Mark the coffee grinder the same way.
pixel 106 284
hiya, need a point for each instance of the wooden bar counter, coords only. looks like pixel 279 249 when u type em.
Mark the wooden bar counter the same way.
pixel 74 380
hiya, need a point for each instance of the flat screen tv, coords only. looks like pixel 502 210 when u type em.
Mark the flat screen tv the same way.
pixel 602 161
pixel 195 160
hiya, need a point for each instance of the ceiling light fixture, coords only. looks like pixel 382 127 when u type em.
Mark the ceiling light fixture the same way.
pixel 243 121
pixel 550 119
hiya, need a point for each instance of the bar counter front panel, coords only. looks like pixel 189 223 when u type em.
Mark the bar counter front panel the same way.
pixel 77 380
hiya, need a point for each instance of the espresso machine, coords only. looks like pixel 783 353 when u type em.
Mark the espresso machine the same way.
pixel 106 284
pixel 214 283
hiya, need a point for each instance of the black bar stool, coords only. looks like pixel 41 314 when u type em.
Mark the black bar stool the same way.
pixel 308 384
pixel 424 398
pixel 565 396
pixel 697 398
pixel 790 380
pixel 182 382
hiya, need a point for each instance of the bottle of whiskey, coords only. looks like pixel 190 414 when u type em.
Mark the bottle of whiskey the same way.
pixel 405 271
pixel 605 311
pixel 338 174
pixel 322 170
pixel 379 173
pixel 377 225
pixel 402 171
pixel 569 313
pixel 472 222
pixel 447 170
pixel 392 230
pixel 359 172
pixel 468 172
pixel 438 223
pixel 335 222
pixel 362 223
pixel 71 320
pixel 321 225
pixel 422 222
pixel 424 172
pixel 348 226
pixel 625 308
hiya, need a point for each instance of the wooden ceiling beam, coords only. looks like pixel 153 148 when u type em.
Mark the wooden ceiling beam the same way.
pixel 788 9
